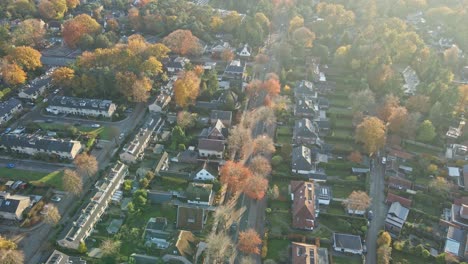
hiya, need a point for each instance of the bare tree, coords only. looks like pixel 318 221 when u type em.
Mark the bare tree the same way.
pixel 264 145
pixel 186 119
pixel 247 260
pixel 239 141
pixel 110 247
pixel 273 193
pixel 357 201
pixel 265 114
pixel 86 164
pixel 219 247
pixel 9 256
pixel 72 182
pixel 260 165
pixel 53 215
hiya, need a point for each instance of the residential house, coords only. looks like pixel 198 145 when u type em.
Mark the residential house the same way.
pixel 324 194
pixel 217 132
pixel 454 174
pixel 455 243
pixel 54 26
pixel 305 208
pixel 155 233
pixel 81 106
pixel 224 116
pixel 324 126
pixel 399 183
pixel 392 198
pixel 32 145
pixel 455 131
pixel 347 243
pixel 303 253
pixel 176 65
pixel 206 173
pixel 159 197
pixel 219 48
pixel 12 206
pixel 134 150
pixel 245 52
pixel 465 177
pixel 457 152
pixel 211 148
pixel 459 212
pixel 302 162
pixel 163 164
pixel 199 193
pixel 160 103
pixel 58 257
pixel 396 218
pixel 411 80
pixel 188 156
pixel 185 249
pixel 305 132
pixel 305 89
pixel 35 88
pixel 8 109
pixel 235 70
pixel 306 108
pixel 92 212
pixel 190 218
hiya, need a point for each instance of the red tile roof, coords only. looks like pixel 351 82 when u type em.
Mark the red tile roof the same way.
pixel 303 209
pixel 391 197
pixel 399 183
pixel 304 253
pixel 401 154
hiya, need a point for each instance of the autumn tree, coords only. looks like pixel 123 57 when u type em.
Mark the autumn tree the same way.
pixel 440 186
pixel 264 114
pixel 8 256
pixel 219 245
pixel 186 88
pixel 272 85
pixel 183 42
pixel 228 214
pixel 295 23
pixel 371 133
pixel 303 37
pixel 386 109
pixel 235 175
pixel 30 32
pixel 63 76
pixel 462 98
pixel 355 157
pixel 253 87
pixel 72 4
pixel 384 254
pixel 273 193
pixel 53 9
pixel 25 57
pixel 247 260
pixel 186 119
pixel 12 74
pixel 426 131
pixel 249 242
pixel 260 165
pixel 110 247
pixel 264 145
pixel 86 164
pixel 418 103
pixel 256 187
pixel 72 182
pixel 53 215
pixel 239 141
pixel 384 239
pixel 227 55
pixel 134 18
pixel 357 201
pixel 396 120
pixel 78 27
pixel 133 87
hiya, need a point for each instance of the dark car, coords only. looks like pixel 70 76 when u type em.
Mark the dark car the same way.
pixel 370 215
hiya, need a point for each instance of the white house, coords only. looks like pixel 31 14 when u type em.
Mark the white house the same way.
pixel 211 148
pixel 81 106
pixel 8 109
pixel 205 174
pixel 244 52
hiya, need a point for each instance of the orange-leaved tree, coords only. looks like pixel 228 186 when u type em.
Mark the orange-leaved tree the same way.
pixel 12 74
pixel 78 26
pixel 249 242
pixel 183 42
pixel 186 88
pixel 235 175
pixel 25 57
pixel 63 76
pixel 371 133
pixel 256 187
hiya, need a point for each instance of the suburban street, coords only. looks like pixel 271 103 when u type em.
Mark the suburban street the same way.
pixel 378 207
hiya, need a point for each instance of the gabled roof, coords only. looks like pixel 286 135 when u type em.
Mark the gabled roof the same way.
pixel 305 106
pixel 8 105
pixel 303 253
pixel 347 241
pixel 199 191
pixel 36 142
pixel 305 128
pixel 223 115
pixel 304 87
pixel 391 198
pixel 235 67
pixel 211 144
pixel 302 158
pixel 186 244
pixel 399 183
pixel 80 103
pixel 11 203
pixel 303 209
pixel 190 218
pixel 397 215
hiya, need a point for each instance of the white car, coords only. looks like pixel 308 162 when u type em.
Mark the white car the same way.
pixel 95 125
pixel 384 160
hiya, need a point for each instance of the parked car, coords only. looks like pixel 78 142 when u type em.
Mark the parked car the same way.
pixel 384 160
pixel 95 125
pixel 11 165
pixel 56 91
pixel 49 121
pixel 56 198
pixel 122 135
pixel 370 215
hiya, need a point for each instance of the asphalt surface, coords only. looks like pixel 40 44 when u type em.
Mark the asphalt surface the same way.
pixel 378 207
pixel 33 165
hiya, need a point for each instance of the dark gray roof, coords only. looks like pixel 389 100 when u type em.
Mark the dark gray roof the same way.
pixel 199 191
pixel 35 142
pixel 301 158
pixel 222 115
pixel 323 124
pixel 305 106
pixel 8 205
pixel 305 128
pixel 56 61
pixel 208 105
pixel 347 241
pixel 58 257
pixel 235 67
pixel 8 105
pixel 304 87
pixel 159 197
pixel 211 144
pixel 455 234
pixel 34 87
pixel 80 103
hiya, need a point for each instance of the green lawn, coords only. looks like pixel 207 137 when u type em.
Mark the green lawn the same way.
pixel 284 130
pixel 343 224
pixel 347 260
pixel 105 132
pixel 36 178
pixel 275 247
pixel 339 101
pixel 401 257
pixel 340 111
pixel 420 150
pixel 343 190
pixel 343 122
